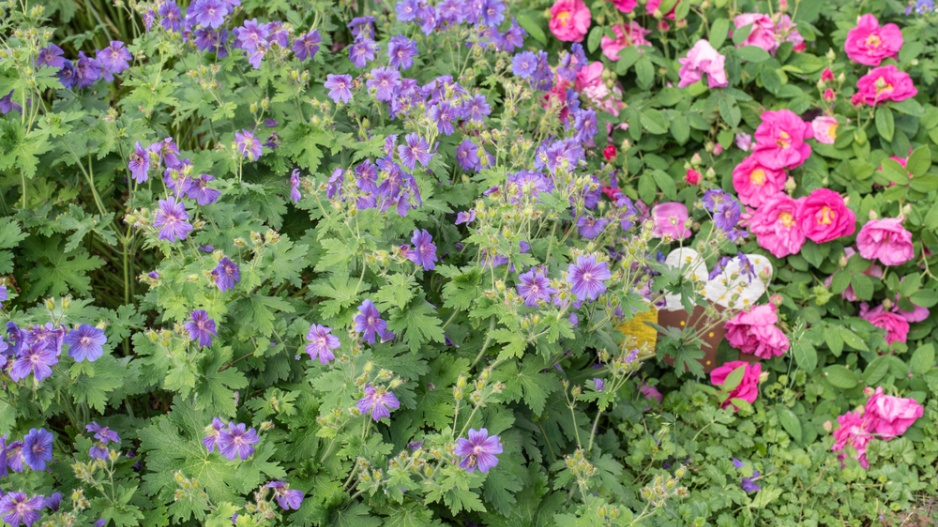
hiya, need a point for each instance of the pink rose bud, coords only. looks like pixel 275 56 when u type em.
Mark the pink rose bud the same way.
pixel 827 75
pixel 692 177
pixel 829 95
pixel 610 152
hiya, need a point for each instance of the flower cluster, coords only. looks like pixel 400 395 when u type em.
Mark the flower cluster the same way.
pixel 35 351
pixel 754 331
pixel 885 417
pixel 233 440
pixel 748 387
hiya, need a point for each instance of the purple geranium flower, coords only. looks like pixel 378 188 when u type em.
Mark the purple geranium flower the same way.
pixel 749 484
pixel 201 328
pixel 36 359
pixel 378 401
pixel 236 441
pixel 68 75
pixel 407 10
pixel 52 502
pixel 362 52
pixel 51 56
pixel 590 228
pixel 534 287
pixel 114 58
pixel 321 343
pixel 416 150
pixel 467 155
pixel 16 508
pixel 139 164
pixel 338 86
pixel 7 105
pixel 199 190
pixel 248 145
pixel 103 433
pixel 385 81
pixel 37 448
pixel 479 450
pixel 524 64
pixel 307 46
pixel 587 276
pixel 87 71
pixel 368 322
pixel 424 249
pixel 401 52
pixel 465 217
pixel 212 433
pixel 251 35
pixel 442 115
pixel 170 16
pixel 208 13
pixel 85 343
pixel 226 274
pixel 212 40
pixel 173 220
pixel 287 499
pixel 476 108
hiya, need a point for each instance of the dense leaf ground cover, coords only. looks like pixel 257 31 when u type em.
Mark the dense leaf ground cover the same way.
pixel 484 262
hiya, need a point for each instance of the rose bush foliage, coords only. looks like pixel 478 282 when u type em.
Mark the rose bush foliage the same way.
pixel 375 263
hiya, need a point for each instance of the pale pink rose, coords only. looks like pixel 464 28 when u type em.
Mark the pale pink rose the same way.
pixel 702 58
pixel 669 220
pixel 754 332
pixel 626 6
pixel 896 326
pixel 762 34
pixel 569 20
pixel 631 34
pixel 747 389
pixel 856 431
pixel 776 226
pixel 886 240
pixel 892 416
pixel 754 183
pixel 652 6
pixel 824 216
pixel 785 32
pixel 825 129
pixel 780 140
pixel 882 84
pixel 869 44
pixel 744 141
pixel 650 392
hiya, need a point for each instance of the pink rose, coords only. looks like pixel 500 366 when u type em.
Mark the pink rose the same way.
pixel 896 325
pixel 652 6
pixel 650 392
pixel 626 6
pixel 892 416
pixel 702 58
pixel 762 34
pixel 748 388
pixel 569 20
pixel 776 225
pixel 824 216
pixel 884 84
pixel 855 430
pixel 886 240
pixel 869 44
pixel 631 34
pixel 785 32
pixel 669 220
pixel 780 140
pixel 754 332
pixel 754 182
pixel 825 129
